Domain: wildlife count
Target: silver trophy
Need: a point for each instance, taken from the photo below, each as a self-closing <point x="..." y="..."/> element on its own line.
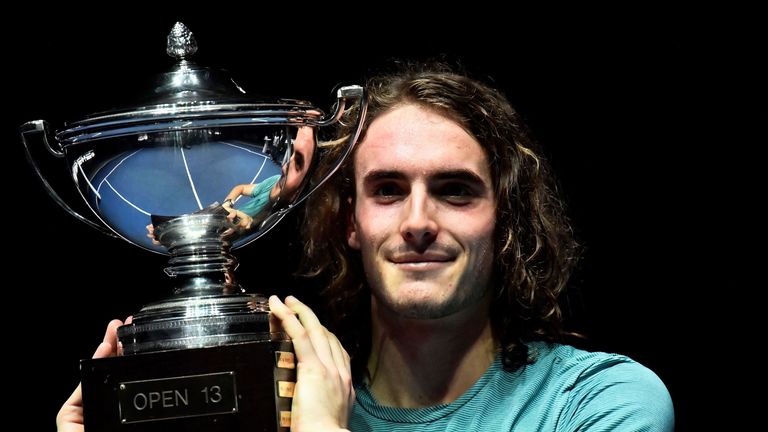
<point x="205" y="357"/>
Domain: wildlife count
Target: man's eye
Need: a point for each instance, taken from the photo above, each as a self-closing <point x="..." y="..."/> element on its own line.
<point x="387" y="190"/>
<point x="456" y="190"/>
<point x="457" y="193"/>
<point x="298" y="160"/>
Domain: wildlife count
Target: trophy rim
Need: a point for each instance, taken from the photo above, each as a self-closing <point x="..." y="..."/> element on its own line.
<point x="164" y="117"/>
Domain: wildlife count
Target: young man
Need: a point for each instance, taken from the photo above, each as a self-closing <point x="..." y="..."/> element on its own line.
<point x="448" y="250"/>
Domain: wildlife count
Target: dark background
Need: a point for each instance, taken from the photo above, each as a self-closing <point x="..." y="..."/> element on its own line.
<point x="642" y="117"/>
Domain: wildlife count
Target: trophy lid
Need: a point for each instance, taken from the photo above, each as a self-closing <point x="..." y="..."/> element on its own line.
<point x="189" y="96"/>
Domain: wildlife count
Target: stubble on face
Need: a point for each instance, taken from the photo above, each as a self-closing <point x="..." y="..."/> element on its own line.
<point x="424" y="214"/>
<point x="468" y="291"/>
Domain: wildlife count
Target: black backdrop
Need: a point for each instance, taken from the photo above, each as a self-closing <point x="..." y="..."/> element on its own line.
<point x="628" y="114"/>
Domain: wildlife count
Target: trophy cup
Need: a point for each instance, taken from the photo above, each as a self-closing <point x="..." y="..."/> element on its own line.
<point x="203" y="358"/>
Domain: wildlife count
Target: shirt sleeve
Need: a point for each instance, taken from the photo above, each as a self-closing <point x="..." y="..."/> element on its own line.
<point x="618" y="395"/>
<point x="260" y="196"/>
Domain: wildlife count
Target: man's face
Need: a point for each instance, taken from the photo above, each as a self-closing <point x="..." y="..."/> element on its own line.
<point x="296" y="169"/>
<point x="424" y="214"/>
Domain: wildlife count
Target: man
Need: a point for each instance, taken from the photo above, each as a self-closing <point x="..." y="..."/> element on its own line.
<point x="448" y="250"/>
<point x="272" y="189"/>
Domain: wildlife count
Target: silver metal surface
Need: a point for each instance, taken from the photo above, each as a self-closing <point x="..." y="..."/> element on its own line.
<point x="153" y="174"/>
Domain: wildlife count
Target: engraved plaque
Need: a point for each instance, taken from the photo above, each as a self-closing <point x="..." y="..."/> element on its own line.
<point x="175" y="397"/>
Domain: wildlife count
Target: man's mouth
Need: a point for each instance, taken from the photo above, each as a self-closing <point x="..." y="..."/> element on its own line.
<point x="425" y="261"/>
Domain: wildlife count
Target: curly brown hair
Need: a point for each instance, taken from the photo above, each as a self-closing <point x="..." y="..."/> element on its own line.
<point x="535" y="248"/>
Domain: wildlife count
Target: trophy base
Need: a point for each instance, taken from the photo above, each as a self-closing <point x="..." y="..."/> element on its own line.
<point x="237" y="387"/>
<point x="197" y="321"/>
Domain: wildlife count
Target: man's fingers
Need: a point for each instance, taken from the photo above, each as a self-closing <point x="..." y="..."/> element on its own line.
<point x="323" y="395"/>
<point x="111" y="334"/>
<point x="105" y="349"/>
<point x="151" y="234"/>
<point x="343" y="365"/>
<point x="318" y="334"/>
<point x="340" y="356"/>
<point x="108" y="346"/>
<point x="245" y="220"/>
<point x="240" y="219"/>
<point x="293" y="328"/>
<point x="275" y="326"/>
<point x="305" y="314"/>
<point x="76" y="396"/>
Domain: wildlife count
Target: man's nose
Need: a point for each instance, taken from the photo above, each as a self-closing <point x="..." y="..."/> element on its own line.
<point x="419" y="226"/>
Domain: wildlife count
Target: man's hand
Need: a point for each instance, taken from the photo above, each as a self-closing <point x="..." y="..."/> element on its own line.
<point x="151" y="234"/>
<point x="323" y="396"/>
<point x="239" y="218"/>
<point x="70" y="417"/>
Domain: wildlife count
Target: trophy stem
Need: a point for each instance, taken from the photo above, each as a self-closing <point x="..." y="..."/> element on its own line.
<point x="204" y="268"/>
<point x="208" y="307"/>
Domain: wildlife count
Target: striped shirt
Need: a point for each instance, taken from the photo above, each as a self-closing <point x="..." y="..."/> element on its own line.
<point x="564" y="389"/>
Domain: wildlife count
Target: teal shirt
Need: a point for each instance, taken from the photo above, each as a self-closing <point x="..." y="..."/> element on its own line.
<point x="565" y="389"/>
<point x="260" y="196"/>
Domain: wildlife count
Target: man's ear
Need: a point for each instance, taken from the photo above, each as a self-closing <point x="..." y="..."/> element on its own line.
<point x="352" y="240"/>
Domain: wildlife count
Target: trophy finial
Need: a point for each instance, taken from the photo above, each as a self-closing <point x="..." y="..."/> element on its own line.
<point x="181" y="42"/>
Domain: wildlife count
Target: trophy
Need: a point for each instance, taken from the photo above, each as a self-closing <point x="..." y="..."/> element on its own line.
<point x="204" y="358"/>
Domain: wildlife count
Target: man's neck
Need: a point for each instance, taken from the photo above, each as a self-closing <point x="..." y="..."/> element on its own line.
<point x="419" y="363"/>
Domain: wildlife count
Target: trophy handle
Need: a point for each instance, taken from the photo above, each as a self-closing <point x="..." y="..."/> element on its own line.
<point x="344" y="96"/>
<point x="37" y="127"/>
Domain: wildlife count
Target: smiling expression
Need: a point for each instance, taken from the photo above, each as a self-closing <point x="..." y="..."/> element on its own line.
<point x="424" y="213"/>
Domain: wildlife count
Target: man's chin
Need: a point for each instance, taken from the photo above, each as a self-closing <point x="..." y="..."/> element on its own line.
<point x="424" y="310"/>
